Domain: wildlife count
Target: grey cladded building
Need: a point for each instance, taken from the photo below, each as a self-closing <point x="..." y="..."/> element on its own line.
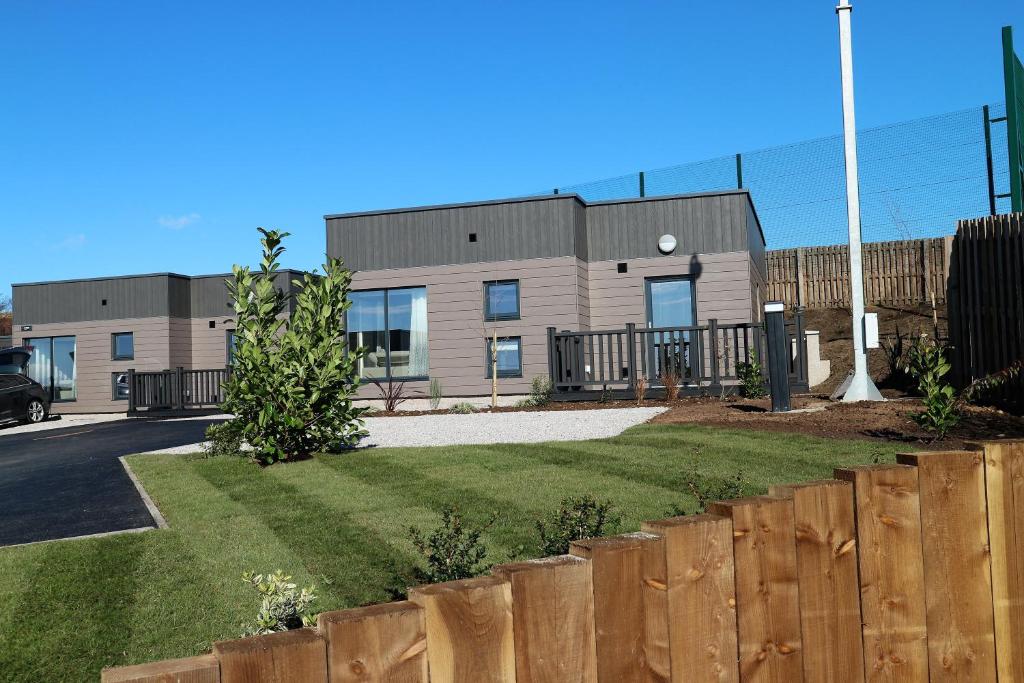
<point x="431" y="285"/>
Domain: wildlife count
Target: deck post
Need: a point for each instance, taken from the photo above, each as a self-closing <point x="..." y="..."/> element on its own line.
<point x="716" y="371"/>
<point x="552" y="374"/>
<point x="131" y="390"/>
<point x="179" y="388"/>
<point x="631" y="353"/>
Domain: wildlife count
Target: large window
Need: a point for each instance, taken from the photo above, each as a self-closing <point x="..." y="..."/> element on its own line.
<point x="122" y="346"/>
<point x="670" y="302"/>
<point x="510" y="357"/>
<point x="501" y="300"/>
<point x="53" y="365"/>
<point x="391" y="324"/>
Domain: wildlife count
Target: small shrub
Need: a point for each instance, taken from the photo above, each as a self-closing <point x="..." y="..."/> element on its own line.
<point x="282" y="607"/>
<point x="392" y="394"/>
<point x="926" y="362"/>
<point x="980" y="388"/>
<point x="463" y="408"/>
<point x="575" y="519"/>
<point x="436" y="393"/>
<point x="452" y="551"/>
<point x="223" y="438"/>
<point x="640" y="389"/>
<point x="540" y="390"/>
<point x="524" y="403"/>
<point x="751" y="378"/>
<point x="670" y="381"/>
<point x="895" y="352"/>
<point x="706" y="490"/>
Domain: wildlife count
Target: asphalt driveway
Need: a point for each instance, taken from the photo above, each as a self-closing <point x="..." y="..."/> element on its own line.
<point x="68" y="482"/>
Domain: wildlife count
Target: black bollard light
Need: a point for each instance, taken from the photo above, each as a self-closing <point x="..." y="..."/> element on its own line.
<point x="778" y="355"/>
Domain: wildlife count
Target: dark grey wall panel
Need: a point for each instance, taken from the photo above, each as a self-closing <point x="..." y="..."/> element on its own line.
<point x="755" y="242"/>
<point x="178" y="295"/>
<point x="510" y="230"/>
<point x="77" y="300"/>
<point x="210" y="298"/>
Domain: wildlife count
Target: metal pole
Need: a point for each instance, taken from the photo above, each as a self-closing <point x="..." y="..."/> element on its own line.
<point x="642" y="192"/>
<point x="988" y="162"/>
<point x="859" y="385"/>
<point x="739" y="172"/>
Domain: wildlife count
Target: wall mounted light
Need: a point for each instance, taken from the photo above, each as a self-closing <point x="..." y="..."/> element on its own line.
<point x="666" y="244"/>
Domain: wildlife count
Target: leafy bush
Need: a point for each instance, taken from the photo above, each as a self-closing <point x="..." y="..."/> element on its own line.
<point x="926" y="362"/>
<point x="436" y="393"/>
<point x="540" y="390"/>
<point x="751" y="378"/>
<point x="392" y="394"/>
<point x="293" y="379"/>
<point x="575" y="519"/>
<point x="706" y="490"/>
<point x="223" y="438"/>
<point x="452" y="551"/>
<point x="282" y="607"/>
<point x="463" y="408"/>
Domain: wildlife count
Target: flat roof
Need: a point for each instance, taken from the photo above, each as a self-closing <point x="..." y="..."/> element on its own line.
<point x="537" y="198"/>
<point x="138" y="275"/>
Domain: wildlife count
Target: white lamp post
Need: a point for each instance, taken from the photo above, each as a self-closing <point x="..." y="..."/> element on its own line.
<point x="858" y="387"/>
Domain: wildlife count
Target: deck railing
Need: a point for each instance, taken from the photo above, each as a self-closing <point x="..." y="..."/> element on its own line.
<point x="177" y="389"/>
<point x="701" y="358"/>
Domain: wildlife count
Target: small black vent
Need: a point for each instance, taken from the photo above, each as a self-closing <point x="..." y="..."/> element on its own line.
<point x="213" y="324"/>
<point x="623" y="267"/>
<point x="472" y="237"/>
<point x="103" y="302"/>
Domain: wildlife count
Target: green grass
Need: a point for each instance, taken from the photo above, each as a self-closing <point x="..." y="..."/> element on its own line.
<point x="340" y="522"/>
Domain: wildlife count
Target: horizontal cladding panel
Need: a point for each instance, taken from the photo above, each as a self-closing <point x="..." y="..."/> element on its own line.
<point x="455" y="277"/>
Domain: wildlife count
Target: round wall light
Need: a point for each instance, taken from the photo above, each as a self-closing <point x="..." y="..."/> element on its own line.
<point x="666" y="244"/>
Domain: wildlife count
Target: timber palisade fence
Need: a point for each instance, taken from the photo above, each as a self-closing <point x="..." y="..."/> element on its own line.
<point x="899" y="273"/>
<point x="177" y="389"/>
<point x="703" y="359"/>
<point x="986" y="311"/>
<point x="908" y="572"/>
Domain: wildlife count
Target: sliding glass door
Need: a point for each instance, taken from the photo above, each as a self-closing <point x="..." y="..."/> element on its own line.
<point x="391" y="324"/>
<point x="53" y="365"/>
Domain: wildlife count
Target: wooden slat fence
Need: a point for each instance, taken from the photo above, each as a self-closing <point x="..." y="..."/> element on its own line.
<point x="986" y="312"/>
<point x="908" y="572"/>
<point x="895" y="273"/>
<point x="177" y="389"/>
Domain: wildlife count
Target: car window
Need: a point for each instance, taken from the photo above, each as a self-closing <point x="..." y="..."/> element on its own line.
<point x="9" y="381"/>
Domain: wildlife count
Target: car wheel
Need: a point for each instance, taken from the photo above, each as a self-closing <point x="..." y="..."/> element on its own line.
<point x="35" y="412"/>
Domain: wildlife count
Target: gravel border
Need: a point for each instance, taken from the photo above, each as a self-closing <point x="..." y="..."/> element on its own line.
<point x="490" y="428"/>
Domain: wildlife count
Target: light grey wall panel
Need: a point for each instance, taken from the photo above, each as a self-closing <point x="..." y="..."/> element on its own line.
<point x="511" y="230"/>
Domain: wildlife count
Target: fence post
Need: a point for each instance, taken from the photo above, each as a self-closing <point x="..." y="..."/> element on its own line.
<point x="201" y="669"/>
<point x="801" y="278"/>
<point x="299" y="655"/>
<point x="380" y="643"/>
<point x="716" y="371"/>
<point x="631" y="352"/>
<point x="131" y="390"/>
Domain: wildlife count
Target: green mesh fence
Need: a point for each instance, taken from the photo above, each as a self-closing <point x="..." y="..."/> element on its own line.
<point x="917" y="178"/>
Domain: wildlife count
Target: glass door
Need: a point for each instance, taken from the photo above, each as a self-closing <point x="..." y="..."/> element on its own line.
<point x="670" y="304"/>
<point x="53" y="365"/>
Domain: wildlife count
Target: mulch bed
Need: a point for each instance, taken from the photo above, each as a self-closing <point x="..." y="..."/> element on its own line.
<point x="814" y="415"/>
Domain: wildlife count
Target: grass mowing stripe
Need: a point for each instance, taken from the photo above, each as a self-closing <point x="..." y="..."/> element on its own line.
<point x="88" y="590"/>
<point x="348" y="561"/>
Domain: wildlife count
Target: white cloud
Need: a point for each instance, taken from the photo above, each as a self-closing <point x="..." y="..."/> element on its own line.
<point x="71" y="242"/>
<point x="178" y="222"/>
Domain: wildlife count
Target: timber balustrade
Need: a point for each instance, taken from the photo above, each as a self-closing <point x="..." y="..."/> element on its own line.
<point x="177" y="389"/>
<point x="909" y="572"/>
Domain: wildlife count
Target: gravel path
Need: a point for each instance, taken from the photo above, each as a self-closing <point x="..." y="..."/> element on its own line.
<point x="487" y="428"/>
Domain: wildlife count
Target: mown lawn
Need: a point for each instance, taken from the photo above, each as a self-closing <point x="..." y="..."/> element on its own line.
<point x="340" y="522"/>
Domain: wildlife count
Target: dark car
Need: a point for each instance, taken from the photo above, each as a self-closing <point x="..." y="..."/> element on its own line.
<point x="21" y="398"/>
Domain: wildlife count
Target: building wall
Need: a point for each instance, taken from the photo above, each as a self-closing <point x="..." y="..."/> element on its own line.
<point x="209" y="346"/>
<point x="455" y="317"/>
<point x="721" y="286"/>
<point x="154" y="338"/>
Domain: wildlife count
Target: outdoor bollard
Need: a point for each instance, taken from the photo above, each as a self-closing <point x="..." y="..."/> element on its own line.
<point x="778" y="355"/>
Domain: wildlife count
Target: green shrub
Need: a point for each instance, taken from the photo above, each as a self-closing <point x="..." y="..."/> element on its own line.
<point x="452" y="551"/>
<point x="751" y="378"/>
<point x="706" y="490"/>
<point x="436" y="393"/>
<point x="223" y="438"/>
<point x="282" y="607"/>
<point x="540" y="390"/>
<point x="292" y="380"/>
<point x="926" y="363"/>
<point x="463" y="408"/>
<point x="575" y="519"/>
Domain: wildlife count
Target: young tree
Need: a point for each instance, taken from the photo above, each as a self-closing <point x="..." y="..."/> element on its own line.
<point x="292" y="380"/>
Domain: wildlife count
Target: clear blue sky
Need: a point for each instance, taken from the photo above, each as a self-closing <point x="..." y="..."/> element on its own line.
<point x="140" y="136"/>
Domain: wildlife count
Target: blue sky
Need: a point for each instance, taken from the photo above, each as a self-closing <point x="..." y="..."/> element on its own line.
<point x="142" y="137"/>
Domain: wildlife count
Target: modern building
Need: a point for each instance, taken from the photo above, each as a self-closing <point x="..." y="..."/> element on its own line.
<point x="87" y="333"/>
<point x="433" y="284"/>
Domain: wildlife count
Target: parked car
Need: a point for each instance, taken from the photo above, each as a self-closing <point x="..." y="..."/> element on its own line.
<point x="22" y="399"/>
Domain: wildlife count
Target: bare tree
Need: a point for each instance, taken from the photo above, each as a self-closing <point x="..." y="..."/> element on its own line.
<point x="6" y="316"/>
<point x="907" y="234"/>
